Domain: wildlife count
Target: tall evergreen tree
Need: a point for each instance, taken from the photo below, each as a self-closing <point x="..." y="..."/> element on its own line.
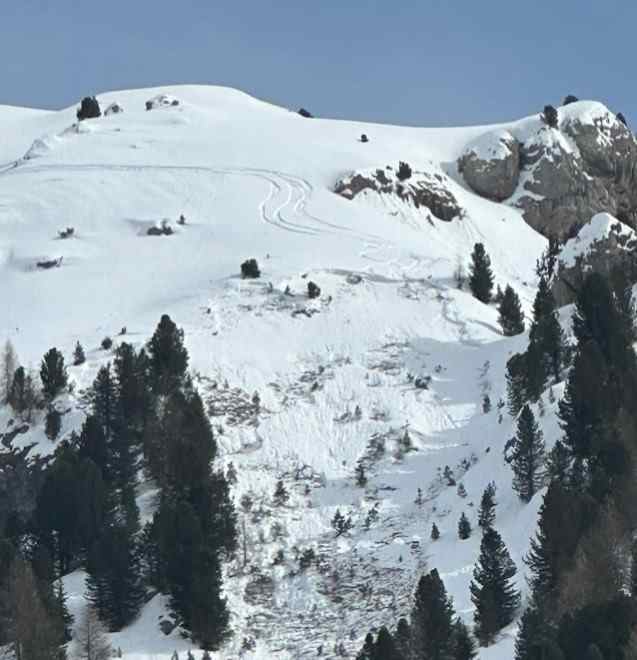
<point x="546" y="340"/>
<point x="492" y="592"/>
<point x="432" y="619"/>
<point x="481" y="275"/>
<point x="511" y="317"/>
<point x="53" y="373"/>
<point x="402" y="637"/>
<point x="516" y="381"/>
<point x="486" y="513"/>
<point x="464" y="527"/>
<point x="114" y="577"/>
<point x="385" y="647"/>
<point x="168" y="356"/>
<point x="464" y="647"/>
<point x="79" y="357"/>
<point x="527" y="457"/>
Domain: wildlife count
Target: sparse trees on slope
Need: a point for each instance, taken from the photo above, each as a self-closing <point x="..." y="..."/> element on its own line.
<point x="492" y="592"/>
<point x="53" y="373"/>
<point x="527" y="457"/>
<point x="511" y="317"/>
<point x="481" y="276"/>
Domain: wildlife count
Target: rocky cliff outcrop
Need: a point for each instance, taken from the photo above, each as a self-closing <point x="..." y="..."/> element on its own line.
<point x="421" y="189"/>
<point x="563" y="176"/>
<point x="491" y="165"/>
<point x="601" y="246"/>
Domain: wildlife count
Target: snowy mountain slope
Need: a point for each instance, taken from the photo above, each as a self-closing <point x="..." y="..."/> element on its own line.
<point x="254" y="180"/>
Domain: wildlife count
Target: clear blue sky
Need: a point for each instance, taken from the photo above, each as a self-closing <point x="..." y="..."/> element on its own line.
<point x="420" y="62"/>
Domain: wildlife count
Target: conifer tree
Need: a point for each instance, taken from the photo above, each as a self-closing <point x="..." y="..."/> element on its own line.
<point x="91" y="638"/>
<point x="402" y="637"/>
<point x="481" y="276"/>
<point x="9" y="365"/>
<point x="168" y="356"/>
<point x="532" y="637"/>
<point x="131" y="375"/>
<point x="492" y="592"/>
<point x="53" y="423"/>
<point x="527" y="457"/>
<point x="589" y="404"/>
<point x="385" y="647"/>
<point x="368" y="650"/>
<point x="464" y="647"/>
<point x="53" y="373"/>
<point x="432" y="619"/>
<point x="22" y="396"/>
<point x="281" y="495"/>
<point x="558" y="463"/>
<point x="79" y="356"/>
<point x="486" y="513"/>
<point x="516" y="380"/>
<point x="546" y="339"/>
<point x="435" y="532"/>
<point x="511" y="317"/>
<point x="114" y="577"/>
<point x="464" y="527"/>
<point x="563" y="518"/>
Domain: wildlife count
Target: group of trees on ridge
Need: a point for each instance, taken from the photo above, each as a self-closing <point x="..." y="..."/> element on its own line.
<point x="145" y="415"/>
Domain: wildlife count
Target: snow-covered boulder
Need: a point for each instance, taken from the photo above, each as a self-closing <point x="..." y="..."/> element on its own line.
<point x="113" y="109"/>
<point x="600" y="246"/>
<point x="162" y="101"/>
<point x="491" y="165"/>
<point x="421" y="189"/>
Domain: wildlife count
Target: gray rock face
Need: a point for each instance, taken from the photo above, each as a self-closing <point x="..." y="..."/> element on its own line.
<point x="601" y="246"/>
<point x="564" y="176"/>
<point x="491" y="165"/>
<point x="421" y="189"/>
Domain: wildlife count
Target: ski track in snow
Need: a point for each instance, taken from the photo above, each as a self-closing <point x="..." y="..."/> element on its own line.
<point x="286" y="193"/>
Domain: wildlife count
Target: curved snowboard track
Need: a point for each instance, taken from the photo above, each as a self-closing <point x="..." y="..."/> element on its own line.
<point x="284" y="207"/>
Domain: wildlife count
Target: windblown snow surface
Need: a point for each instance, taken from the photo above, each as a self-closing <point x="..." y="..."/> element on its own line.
<point x="255" y="180"/>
